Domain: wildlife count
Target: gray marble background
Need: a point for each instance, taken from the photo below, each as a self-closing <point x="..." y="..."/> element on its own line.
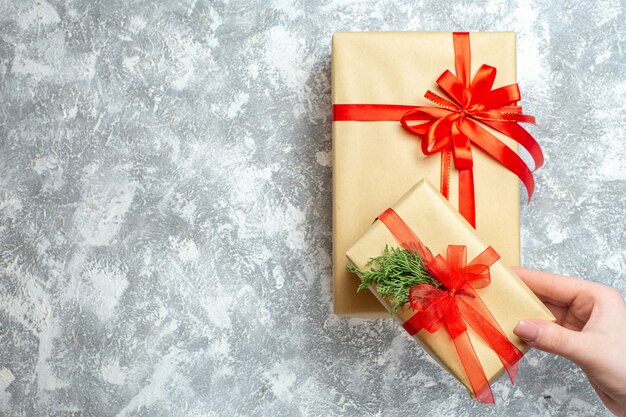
<point x="165" y="206"/>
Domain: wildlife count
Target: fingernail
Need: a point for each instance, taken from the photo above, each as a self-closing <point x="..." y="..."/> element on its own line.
<point x="526" y="330"/>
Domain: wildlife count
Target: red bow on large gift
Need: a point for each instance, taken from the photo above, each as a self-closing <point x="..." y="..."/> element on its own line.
<point x="454" y="124"/>
<point x="455" y="304"/>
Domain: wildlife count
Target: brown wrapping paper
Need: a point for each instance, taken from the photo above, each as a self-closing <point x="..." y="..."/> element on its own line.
<point x="437" y="224"/>
<point x="374" y="163"/>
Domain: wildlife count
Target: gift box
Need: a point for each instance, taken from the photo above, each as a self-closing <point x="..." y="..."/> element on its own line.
<point x="375" y="158"/>
<point x="436" y="224"/>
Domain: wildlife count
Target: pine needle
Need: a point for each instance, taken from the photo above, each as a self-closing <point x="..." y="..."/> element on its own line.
<point x="393" y="275"/>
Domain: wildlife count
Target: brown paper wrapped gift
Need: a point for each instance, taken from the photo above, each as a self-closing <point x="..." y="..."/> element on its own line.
<point x="437" y="224"/>
<point x="374" y="163"/>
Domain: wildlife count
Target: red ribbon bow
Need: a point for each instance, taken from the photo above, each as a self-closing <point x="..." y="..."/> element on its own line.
<point x="456" y="304"/>
<point x="452" y="126"/>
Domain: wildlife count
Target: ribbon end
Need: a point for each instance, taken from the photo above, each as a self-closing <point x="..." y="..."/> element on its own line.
<point x="530" y="196"/>
<point x="530" y="187"/>
<point x="511" y="367"/>
<point x="485" y="395"/>
<point x="512" y="371"/>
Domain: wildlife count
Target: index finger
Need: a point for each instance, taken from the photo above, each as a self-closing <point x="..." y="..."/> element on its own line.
<point x="557" y="289"/>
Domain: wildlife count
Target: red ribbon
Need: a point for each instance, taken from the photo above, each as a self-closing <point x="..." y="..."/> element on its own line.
<point x="456" y="304"/>
<point x="453" y="125"/>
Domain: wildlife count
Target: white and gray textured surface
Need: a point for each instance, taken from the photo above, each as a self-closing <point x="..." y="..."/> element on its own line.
<point x="165" y="206"/>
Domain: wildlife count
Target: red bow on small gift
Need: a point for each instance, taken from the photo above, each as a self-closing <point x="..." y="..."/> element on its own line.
<point x="452" y="126"/>
<point x="455" y="304"/>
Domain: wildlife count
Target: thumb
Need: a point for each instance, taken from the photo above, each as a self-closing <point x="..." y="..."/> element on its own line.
<point x="551" y="337"/>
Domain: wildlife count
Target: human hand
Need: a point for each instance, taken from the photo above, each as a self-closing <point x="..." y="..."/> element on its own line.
<point x="590" y="330"/>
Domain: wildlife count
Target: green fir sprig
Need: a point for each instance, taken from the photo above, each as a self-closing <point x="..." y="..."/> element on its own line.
<point x="393" y="275"/>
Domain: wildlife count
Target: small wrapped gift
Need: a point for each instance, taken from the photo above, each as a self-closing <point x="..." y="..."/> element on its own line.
<point x="465" y="315"/>
<point x="400" y="114"/>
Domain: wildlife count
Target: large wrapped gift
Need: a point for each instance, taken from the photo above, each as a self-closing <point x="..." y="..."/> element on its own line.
<point x="461" y="301"/>
<point x="400" y="116"/>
